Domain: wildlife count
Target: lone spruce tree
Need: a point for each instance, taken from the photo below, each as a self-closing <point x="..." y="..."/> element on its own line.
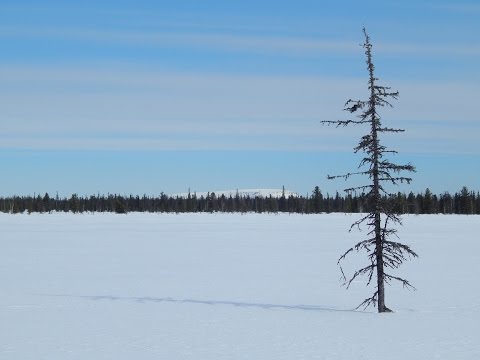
<point x="383" y="253"/>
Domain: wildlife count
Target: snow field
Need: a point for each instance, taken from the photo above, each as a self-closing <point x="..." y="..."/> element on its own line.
<point x="229" y="286"/>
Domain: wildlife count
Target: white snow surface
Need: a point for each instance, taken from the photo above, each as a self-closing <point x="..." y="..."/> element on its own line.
<point x="229" y="286"/>
<point x="275" y="193"/>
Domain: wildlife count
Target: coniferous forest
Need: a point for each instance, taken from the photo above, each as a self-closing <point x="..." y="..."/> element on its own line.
<point x="462" y="202"/>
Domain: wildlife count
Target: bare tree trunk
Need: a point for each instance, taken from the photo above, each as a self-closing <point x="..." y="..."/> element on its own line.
<point x="382" y="252"/>
<point x="376" y="192"/>
<point x="380" y="266"/>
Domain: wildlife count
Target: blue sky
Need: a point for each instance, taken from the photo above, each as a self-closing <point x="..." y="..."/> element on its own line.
<point x="151" y="96"/>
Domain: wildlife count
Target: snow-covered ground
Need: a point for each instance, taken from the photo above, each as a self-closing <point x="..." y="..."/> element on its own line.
<point x="228" y="286"/>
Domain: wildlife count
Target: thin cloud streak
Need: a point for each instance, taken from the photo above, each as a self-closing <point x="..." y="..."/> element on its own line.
<point x="162" y="144"/>
<point x="427" y="50"/>
<point x="286" y="45"/>
<point x="296" y="144"/>
<point x="124" y="109"/>
<point x="259" y="44"/>
<point x="459" y="7"/>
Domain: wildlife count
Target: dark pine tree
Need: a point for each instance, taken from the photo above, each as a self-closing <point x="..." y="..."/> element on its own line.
<point x="383" y="253"/>
<point x="317" y="199"/>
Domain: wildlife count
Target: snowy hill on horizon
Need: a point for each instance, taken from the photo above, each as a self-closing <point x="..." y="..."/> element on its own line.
<point x="276" y="193"/>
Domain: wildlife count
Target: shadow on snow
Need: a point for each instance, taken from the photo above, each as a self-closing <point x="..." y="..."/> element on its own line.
<point x="240" y="304"/>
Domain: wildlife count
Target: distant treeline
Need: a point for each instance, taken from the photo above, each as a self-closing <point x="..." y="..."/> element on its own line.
<point x="463" y="202"/>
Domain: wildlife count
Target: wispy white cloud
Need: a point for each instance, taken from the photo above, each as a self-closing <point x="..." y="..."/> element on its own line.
<point x="130" y="109"/>
<point x="149" y="101"/>
<point x="285" y="45"/>
<point x="427" y="49"/>
<point x="167" y="141"/>
<point x="262" y="44"/>
<point x="459" y="7"/>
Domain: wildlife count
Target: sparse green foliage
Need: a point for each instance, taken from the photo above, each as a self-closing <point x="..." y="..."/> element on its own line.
<point x="382" y="253"/>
